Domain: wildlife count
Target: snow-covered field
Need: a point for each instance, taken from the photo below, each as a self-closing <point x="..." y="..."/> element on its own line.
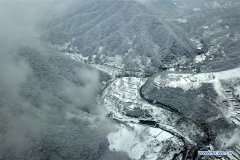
<point x="123" y="96"/>
<point x="140" y="142"/>
<point x="193" y="81"/>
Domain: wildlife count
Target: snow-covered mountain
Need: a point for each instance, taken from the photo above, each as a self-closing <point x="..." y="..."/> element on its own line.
<point x="126" y="31"/>
<point x="213" y="25"/>
<point x="120" y="80"/>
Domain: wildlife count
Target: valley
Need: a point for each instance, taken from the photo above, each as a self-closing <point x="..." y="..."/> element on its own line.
<point x="119" y="79"/>
<point x="152" y="125"/>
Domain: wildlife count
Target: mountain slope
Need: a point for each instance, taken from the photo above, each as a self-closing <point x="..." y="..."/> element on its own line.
<point x="102" y="30"/>
<point x="212" y="24"/>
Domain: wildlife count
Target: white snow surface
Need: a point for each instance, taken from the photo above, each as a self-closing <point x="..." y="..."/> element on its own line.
<point x="115" y="61"/>
<point x="181" y="20"/>
<point x="196" y="9"/>
<point x="123" y="95"/>
<point x="138" y="141"/>
<point x="100" y="49"/>
<point x="194" y="81"/>
<point x="200" y="58"/>
<point x="197" y="42"/>
<point x="75" y="56"/>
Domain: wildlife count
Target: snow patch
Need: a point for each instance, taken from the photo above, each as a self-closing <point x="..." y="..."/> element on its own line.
<point x="76" y="56"/>
<point x="200" y="58"/>
<point x="198" y="43"/>
<point x="205" y="27"/>
<point x="181" y="20"/>
<point x="194" y="81"/>
<point x="138" y="141"/>
<point x="116" y="61"/>
<point x="196" y="9"/>
<point x="100" y="49"/>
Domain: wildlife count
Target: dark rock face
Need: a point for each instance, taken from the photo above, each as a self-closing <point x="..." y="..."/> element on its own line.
<point x="121" y="27"/>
